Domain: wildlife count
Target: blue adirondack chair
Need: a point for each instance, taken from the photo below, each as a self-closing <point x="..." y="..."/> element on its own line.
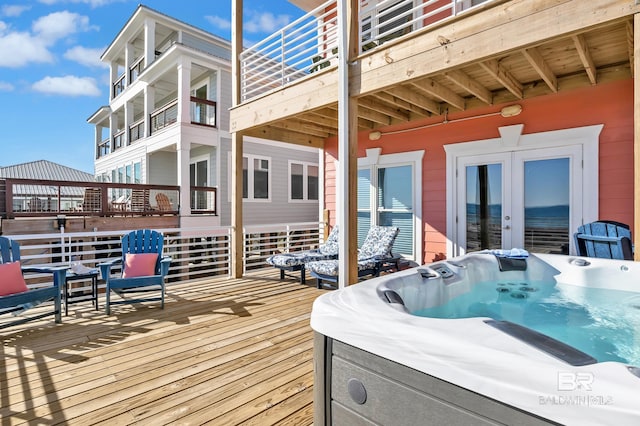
<point x="18" y="302"/>
<point x="604" y="239"/>
<point x="137" y="242"/>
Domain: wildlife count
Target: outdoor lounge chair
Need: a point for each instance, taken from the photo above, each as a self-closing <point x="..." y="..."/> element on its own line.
<point x="16" y="297"/>
<point x="296" y="261"/>
<point x="604" y="239"/>
<point x="374" y="257"/>
<point x="143" y="268"/>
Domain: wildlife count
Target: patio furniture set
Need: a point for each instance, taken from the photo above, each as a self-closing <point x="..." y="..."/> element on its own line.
<point x="143" y="269"/>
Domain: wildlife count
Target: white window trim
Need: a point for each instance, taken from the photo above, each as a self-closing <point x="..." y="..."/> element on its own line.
<point x="511" y="139"/>
<point x="414" y="159"/>
<point x="305" y="182"/>
<point x="250" y="183"/>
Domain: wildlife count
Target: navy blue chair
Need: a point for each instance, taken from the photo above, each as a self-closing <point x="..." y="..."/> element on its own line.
<point x="143" y="241"/>
<point x="20" y="302"/>
<point x="604" y="239"/>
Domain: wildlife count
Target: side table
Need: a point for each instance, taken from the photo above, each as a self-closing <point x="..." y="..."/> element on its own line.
<point x="93" y="296"/>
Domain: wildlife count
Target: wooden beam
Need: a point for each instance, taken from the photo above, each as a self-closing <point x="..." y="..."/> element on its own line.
<point x="585" y="57"/>
<point x="460" y="78"/>
<point x="439" y="91"/>
<point x="374" y="116"/>
<point x="636" y="136"/>
<point x="504" y="77"/>
<point x="411" y="96"/>
<point x="401" y="103"/>
<point x="372" y="104"/>
<point x="273" y="133"/>
<point x="538" y="63"/>
<point x="305" y="128"/>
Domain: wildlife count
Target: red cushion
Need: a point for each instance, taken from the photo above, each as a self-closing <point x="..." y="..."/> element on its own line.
<point x="139" y="265"/>
<point x="11" y="279"/>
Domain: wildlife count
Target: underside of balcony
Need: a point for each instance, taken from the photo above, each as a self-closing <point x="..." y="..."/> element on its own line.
<point x="503" y="53"/>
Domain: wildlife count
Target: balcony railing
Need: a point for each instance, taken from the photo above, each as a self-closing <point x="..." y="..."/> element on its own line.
<point x="104" y="148"/>
<point x="118" y="140"/>
<point x="119" y="85"/>
<point x="203" y="111"/>
<point x="42" y="198"/>
<point x="136" y="69"/>
<point x="309" y="44"/>
<point x="164" y="116"/>
<point x="136" y="131"/>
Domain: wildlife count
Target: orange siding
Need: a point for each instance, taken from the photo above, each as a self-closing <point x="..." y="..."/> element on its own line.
<point x="609" y="104"/>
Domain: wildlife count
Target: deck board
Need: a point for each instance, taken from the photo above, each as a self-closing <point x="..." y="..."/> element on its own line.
<point x="222" y="352"/>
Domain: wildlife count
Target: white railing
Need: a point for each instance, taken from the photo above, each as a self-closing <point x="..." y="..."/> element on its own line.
<point x="262" y="241"/>
<point x="309" y="44"/>
<point x="196" y="252"/>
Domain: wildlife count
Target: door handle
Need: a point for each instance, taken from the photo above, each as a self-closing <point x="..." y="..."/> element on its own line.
<point x="506" y="227"/>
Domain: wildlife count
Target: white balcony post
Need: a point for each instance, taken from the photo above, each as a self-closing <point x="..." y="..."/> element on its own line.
<point x="149" y="102"/>
<point x="149" y="42"/>
<point x="128" y="119"/>
<point x="98" y="140"/>
<point x="183" y="157"/>
<point x="113" y="67"/>
<point x="184" y="92"/>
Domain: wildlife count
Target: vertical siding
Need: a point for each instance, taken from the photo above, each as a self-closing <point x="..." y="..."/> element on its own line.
<point x="609" y="104"/>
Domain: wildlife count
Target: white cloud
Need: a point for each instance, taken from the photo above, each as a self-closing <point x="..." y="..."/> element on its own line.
<point x="68" y="86"/>
<point x="265" y="22"/>
<point x="86" y="56"/>
<point x="58" y="25"/>
<point x="20" y="49"/>
<point x="13" y="10"/>
<point x="6" y="87"/>
<point x="219" y="22"/>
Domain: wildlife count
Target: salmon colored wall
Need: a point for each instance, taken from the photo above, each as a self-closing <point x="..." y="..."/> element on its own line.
<point x="609" y="104"/>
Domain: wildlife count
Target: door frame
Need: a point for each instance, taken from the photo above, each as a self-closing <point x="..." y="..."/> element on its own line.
<point x="512" y="140"/>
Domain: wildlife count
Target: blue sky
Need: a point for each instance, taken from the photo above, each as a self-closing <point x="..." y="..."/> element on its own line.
<point x="51" y="78"/>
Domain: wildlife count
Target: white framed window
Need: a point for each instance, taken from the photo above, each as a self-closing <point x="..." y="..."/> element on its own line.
<point x="199" y="176"/>
<point x="390" y="194"/>
<point x="256" y="178"/>
<point x="303" y="181"/>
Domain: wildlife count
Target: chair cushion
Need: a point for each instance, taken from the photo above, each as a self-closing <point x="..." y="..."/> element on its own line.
<point x="11" y="281"/>
<point x="379" y="242"/>
<point x="139" y="265"/>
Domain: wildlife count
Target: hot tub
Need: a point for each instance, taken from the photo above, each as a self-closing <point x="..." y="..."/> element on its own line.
<point x="464" y="342"/>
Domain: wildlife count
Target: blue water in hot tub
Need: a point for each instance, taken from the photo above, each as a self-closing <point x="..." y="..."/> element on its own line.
<point x="603" y="323"/>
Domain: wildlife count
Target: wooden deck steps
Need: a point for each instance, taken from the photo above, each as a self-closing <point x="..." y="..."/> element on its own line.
<point x="221" y="352"/>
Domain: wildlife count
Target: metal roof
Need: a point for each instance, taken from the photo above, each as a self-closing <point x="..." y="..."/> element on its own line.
<point x="43" y="169"/>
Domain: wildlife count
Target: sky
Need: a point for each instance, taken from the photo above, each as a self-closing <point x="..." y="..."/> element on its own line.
<point x="51" y="77"/>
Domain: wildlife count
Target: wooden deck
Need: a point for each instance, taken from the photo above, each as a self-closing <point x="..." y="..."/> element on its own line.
<point x="221" y="352"/>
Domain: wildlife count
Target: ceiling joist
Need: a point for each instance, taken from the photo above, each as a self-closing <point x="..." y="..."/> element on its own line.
<point x="503" y="76"/>
<point x="538" y="63"/>
<point x="413" y="97"/>
<point x="470" y="85"/>
<point x="437" y="90"/>
<point x="585" y="57"/>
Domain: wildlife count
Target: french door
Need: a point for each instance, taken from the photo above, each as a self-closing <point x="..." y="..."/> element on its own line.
<point x="528" y="199"/>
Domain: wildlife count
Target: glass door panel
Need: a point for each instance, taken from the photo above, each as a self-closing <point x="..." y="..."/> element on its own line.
<point x="484" y="212"/>
<point x="546" y="205"/>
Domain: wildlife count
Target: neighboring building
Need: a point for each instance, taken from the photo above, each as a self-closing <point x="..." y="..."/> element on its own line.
<point x="39" y="198"/>
<point x="480" y="123"/>
<point x="167" y="123"/>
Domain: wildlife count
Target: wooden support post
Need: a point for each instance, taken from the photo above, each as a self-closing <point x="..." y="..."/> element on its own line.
<point x="237" y="235"/>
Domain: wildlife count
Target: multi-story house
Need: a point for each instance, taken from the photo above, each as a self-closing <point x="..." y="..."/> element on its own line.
<point x="468" y="124"/>
<point x="167" y="123"/>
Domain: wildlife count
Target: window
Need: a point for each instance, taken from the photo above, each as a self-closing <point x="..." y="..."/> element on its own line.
<point x="303" y="181"/>
<point x="256" y="177"/>
<point x="199" y="176"/>
<point x="389" y="194"/>
<point x="137" y="173"/>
